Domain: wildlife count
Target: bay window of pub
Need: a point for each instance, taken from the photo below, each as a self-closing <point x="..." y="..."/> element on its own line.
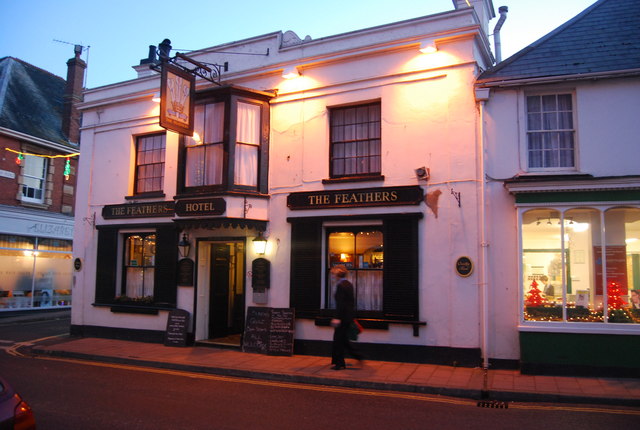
<point x="567" y="257"/>
<point x="150" y="163"/>
<point x="361" y="251"/>
<point x="551" y="136"/>
<point x="227" y="151"/>
<point x="355" y="141"/>
<point x="138" y="267"/>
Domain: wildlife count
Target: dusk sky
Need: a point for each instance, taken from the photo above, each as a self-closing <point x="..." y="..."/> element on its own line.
<point x="118" y="32"/>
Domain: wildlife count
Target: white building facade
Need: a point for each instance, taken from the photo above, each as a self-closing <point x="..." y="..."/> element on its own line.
<point x="369" y="157"/>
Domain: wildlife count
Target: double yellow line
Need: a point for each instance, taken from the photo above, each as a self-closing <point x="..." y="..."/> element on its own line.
<point x="329" y="389"/>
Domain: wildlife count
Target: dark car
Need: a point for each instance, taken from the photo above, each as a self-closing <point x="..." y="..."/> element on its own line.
<point x="15" y="414"/>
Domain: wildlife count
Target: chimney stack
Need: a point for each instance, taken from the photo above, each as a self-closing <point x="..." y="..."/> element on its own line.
<point x="73" y="95"/>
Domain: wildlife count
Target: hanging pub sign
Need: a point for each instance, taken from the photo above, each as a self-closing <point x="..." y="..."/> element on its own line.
<point x="361" y="197"/>
<point x="177" y="89"/>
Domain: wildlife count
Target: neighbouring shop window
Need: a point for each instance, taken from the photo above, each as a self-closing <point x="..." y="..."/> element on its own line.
<point x="362" y="252"/>
<point x="35" y="272"/>
<point x="34" y="174"/>
<point x="581" y="264"/>
<point x="382" y="259"/>
<point x="550" y="131"/>
<point x="355" y="141"/>
<point x="150" y="153"/>
<point x="139" y="266"/>
<point x="205" y="150"/>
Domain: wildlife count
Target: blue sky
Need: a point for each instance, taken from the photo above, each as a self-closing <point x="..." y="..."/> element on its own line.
<point x="119" y="32"/>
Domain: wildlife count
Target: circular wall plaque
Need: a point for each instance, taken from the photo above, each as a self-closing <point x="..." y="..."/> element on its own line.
<point x="77" y="264"/>
<point x="464" y="266"/>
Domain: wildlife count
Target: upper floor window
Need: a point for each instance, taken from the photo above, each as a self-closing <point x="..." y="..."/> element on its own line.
<point x="550" y="131"/>
<point x="230" y="145"/>
<point x="150" y="153"/>
<point x="355" y="141"/>
<point x="34" y="174"/>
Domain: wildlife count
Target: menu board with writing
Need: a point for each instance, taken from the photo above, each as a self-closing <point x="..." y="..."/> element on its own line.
<point x="177" y="323"/>
<point x="269" y="331"/>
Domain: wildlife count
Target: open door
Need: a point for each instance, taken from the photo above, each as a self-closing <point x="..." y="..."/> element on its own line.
<point x="226" y="294"/>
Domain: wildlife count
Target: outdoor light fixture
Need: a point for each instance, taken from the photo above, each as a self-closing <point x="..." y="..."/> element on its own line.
<point x="260" y="244"/>
<point x="428" y="46"/>
<point x="184" y="246"/>
<point x="290" y="72"/>
<point x="156" y="98"/>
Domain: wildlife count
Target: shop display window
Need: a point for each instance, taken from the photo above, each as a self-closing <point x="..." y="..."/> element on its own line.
<point x="581" y="265"/>
<point x="36" y="272"/>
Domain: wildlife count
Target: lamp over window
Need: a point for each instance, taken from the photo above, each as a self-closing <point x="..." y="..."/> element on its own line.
<point x="260" y="244"/>
<point x="428" y="46"/>
<point x="290" y="72"/>
<point x="184" y="246"/>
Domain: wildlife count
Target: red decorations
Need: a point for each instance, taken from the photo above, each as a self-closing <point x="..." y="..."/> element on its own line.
<point x="614" y="298"/>
<point x="533" y="297"/>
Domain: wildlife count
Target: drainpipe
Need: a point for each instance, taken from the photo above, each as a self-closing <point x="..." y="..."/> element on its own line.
<point x="496" y="32"/>
<point x="482" y="95"/>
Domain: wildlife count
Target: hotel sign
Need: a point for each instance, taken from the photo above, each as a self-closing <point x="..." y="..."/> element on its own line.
<point x="364" y="197"/>
<point x="214" y="206"/>
<point x="177" y="89"/>
<point x="138" y="210"/>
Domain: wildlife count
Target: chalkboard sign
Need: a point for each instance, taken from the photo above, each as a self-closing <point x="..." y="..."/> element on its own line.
<point x="260" y="274"/>
<point x="177" y="322"/>
<point x="185" y="272"/>
<point x="269" y="331"/>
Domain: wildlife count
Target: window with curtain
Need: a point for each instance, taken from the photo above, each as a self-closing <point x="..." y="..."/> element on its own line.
<point x="139" y="265"/>
<point x="150" y="153"/>
<point x="361" y="251"/>
<point x="205" y="149"/>
<point x="550" y="131"/>
<point x="247" y="145"/>
<point x="34" y="174"/>
<point x="355" y="141"/>
<point x="581" y="265"/>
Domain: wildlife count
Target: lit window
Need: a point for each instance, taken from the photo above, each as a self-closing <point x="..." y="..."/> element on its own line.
<point x="571" y="275"/>
<point x="139" y="265"/>
<point x="361" y="251"/>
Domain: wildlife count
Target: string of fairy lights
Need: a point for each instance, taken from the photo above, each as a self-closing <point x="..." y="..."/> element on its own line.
<point x="67" y="165"/>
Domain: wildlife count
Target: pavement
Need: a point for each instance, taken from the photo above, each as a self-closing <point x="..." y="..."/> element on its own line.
<point x="491" y="388"/>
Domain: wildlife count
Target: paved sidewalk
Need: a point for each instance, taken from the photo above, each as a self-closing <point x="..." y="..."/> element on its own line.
<point x="493" y="387"/>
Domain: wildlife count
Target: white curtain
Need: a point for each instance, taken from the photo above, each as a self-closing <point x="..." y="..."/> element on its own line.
<point x="248" y="141"/>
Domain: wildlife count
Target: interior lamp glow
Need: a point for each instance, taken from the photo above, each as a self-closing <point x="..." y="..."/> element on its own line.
<point x="290" y="72"/>
<point x="428" y="46"/>
<point x="260" y="244"/>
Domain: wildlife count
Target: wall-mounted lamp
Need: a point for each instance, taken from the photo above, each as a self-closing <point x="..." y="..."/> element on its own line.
<point x="428" y="46"/>
<point x="260" y="244"/>
<point x="156" y="98"/>
<point x="423" y="173"/>
<point x="184" y="246"/>
<point x="290" y="72"/>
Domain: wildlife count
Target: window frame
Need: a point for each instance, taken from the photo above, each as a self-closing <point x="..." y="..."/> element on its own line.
<point x="43" y="179"/>
<point x="334" y="141"/>
<point x="526" y="158"/>
<point x="138" y="166"/>
<point x="355" y="229"/>
<point x="125" y="266"/>
<point x="564" y="324"/>
<point x="231" y="96"/>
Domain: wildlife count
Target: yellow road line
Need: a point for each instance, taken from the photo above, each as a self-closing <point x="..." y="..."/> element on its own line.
<point x="340" y="390"/>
